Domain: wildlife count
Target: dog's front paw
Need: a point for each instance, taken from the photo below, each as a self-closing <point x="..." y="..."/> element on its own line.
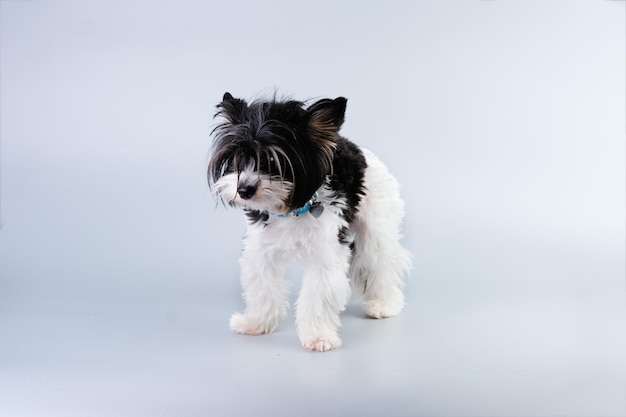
<point x="322" y="343"/>
<point x="378" y="310"/>
<point x="246" y="324"/>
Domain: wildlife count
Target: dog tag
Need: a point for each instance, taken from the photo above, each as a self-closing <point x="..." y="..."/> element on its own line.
<point x="316" y="209"/>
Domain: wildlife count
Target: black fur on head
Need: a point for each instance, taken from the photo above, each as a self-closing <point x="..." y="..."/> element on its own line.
<point x="282" y="139"/>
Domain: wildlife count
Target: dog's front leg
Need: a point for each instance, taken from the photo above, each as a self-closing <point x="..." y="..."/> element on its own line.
<point x="324" y="295"/>
<point x="265" y="291"/>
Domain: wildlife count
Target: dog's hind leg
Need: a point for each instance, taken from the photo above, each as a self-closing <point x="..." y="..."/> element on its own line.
<point x="378" y="269"/>
<point x="379" y="262"/>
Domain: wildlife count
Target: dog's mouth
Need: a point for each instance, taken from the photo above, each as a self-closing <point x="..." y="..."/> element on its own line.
<point x="252" y="204"/>
<point x="265" y="195"/>
<point x="249" y="205"/>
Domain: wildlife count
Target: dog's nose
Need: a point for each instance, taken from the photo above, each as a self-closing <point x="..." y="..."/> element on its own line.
<point x="246" y="191"/>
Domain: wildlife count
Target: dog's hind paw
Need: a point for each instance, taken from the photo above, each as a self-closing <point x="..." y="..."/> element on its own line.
<point x="244" y="324"/>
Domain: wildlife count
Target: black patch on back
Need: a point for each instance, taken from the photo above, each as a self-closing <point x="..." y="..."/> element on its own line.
<point x="347" y="180"/>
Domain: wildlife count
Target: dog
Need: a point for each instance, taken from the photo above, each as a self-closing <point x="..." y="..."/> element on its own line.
<point x="310" y="195"/>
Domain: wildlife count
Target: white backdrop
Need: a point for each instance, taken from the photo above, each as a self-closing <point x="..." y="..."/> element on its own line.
<point x="503" y="121"/>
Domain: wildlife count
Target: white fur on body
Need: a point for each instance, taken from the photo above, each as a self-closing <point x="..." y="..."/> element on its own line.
<point x="375" y="270"/>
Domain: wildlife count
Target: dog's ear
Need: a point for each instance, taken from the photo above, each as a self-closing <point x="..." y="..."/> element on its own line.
<point x="327" y="115"/>
<point x="325" y="119"/>
<point x="232" y="109"/>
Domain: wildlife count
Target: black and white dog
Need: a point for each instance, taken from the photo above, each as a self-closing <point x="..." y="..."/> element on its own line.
<point x="310" y="196"/>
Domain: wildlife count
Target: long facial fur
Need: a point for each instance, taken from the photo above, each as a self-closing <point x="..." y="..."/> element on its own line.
<point x="270" y="195"/>
<point x="289" y="147"/>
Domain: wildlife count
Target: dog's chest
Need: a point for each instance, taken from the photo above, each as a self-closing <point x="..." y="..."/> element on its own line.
<point x="303" y="236"/>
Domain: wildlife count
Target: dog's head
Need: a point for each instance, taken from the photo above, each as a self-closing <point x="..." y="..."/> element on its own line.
<point x="271" y="156"/>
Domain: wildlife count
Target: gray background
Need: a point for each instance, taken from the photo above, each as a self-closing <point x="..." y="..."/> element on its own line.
<point x="504" y="122"/>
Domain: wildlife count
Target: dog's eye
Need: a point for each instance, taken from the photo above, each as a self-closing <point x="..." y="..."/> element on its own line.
<point x="270" y="165"/>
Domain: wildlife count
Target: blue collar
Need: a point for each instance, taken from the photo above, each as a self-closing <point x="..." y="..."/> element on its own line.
<point x="311" y="205"/>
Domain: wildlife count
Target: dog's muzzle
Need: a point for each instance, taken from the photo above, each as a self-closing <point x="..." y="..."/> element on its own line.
<point x="246" y="191"/>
